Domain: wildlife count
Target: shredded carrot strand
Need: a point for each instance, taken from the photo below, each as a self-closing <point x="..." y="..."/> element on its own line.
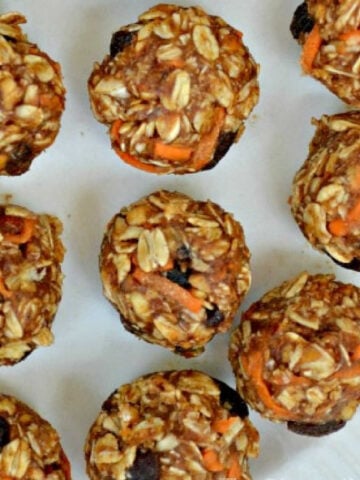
<point x="211" y="461"/>
<point x="114" y="130"/>
<point x="348" y="372"/>
<point x="356" y="354"/>
<point x="223" y="424"/>
<point x="177" y="153"/>
<point x="310" y="49"/>
<point x="352" y="35"/>
<point x="354" y="213"/>
<point x="4" y="291"/>
<point x="25" y="234"/>
<point x="338" y="227"/>
<point x="134" y="162"/>
<point x="206" y="147"/>
<point x="235" y="471"/>
<point x="167" y="287"/>
<point x="254" y="366"/>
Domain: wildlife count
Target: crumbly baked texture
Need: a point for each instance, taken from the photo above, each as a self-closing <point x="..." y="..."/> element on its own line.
<point x="329" y="32"/>
<point x="29" y="446"/>
<point x="175" y="89"/>
<point x="296" y="353"/>
<point x="176" y="269"/>
<point x="31" y="253"/>
<point x="171" y="426"/>
<point x="32" y="97"/>
<point x="325" y="200"/>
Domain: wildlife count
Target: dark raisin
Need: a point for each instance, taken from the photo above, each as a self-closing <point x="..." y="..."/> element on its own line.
<point x="316" y="429"/>
<point x="146" y="466"/>
<point x="20" y="159"/>
<point x="51" y="467"/>
<point x="225" y="140"/>
<point x="177" y="276"/>
<point x="231" y="400"/>
<point x="183" y="253"/>
<point x="119" y="41"/>
<point x="353" y="265"/>
<point x="213" y="317"/>
<point x="4" y="432"/>
<point x="108" y="405"/>
<point x="302" y="21"/>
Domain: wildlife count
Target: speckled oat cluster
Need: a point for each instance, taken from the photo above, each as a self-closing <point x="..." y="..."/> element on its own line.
<point x="173" y="426"/>
<point x="332" y="26"/>
<point x="296" y="353"/>
<point x="176" y="269"/>
<point x="175" y="89"/>
<point x="326" y="189"/>
<point x="31" y="97"/>
<point x="29" y="446"/>
<point x="31" y="253"/>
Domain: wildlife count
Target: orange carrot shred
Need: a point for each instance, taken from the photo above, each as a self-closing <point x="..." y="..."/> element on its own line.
<point x="354" y="213"/>
<point x="235" y="471"/>
<point x="338" y="227"/>
<point x="310" y="49"/>
<point x="206" y="147"/>
<point x="167" y="287"/>
<point x="177" y="153"/>
<point x="211" y="461"/>
<point x="25" y="234"/>
<point x="223" y="424"/>
<point x="356" y="354"/>
<point x="134" y="162"/>
<point x="4" y="291"/>
<point x="254" y="364"/>
<point x="348" y="372"/>
<point x="352" y="35"/>
<point x="114" y="131"/>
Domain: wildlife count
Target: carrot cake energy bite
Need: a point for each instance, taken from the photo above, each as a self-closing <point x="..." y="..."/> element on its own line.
<point x="175" y="90"/>
<point x="296" y="354"/>
<point x="172" y="425"/>
<point x="29" y="446"/>
<point x="176" y="269"/>
<point x="325" y="199"/>
<point x="31" y="97"/>
<point x="31" y="253"/>
<point x="329" y="33"/>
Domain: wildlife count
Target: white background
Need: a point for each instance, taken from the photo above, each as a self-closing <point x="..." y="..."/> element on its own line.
<point x="83" y="182"/>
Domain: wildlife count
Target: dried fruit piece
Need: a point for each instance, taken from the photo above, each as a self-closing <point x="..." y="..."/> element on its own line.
<point x="176" y="269"/>
<point x="187" y="85"/>
<point x="173" y="424"/>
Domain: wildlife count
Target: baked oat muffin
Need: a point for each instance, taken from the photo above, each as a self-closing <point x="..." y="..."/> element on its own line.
<point x="30" y="447"/>
<point x="325" y="199"/>
<point x="31" y="97"/>
<point x="176" y="269"/>
<point x="172" y="425"/>
<point x="329" y="33"/>
<point x="175" y="90"/>
<point x="31" y="253"/>
<point x="296" y="354"/>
